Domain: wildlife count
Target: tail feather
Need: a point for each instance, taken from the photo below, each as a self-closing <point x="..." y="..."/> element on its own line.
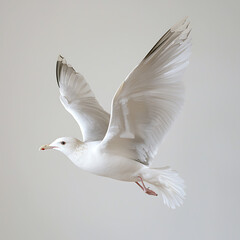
<point x="169" y="183"/>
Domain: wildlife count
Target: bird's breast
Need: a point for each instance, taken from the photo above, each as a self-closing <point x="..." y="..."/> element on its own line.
<point x="108" y="165"/>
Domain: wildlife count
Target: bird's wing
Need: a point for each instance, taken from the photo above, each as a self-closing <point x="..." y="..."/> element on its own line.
<point x="78" y="99"/>
<point x="148" y="100"/>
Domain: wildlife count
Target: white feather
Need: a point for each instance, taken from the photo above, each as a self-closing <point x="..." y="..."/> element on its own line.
<point x="78" y="99"/>
<point x="148" y="100"/>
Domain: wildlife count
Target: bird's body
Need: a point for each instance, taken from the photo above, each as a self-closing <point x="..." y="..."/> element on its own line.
<point x="123" y="145"/>
<point x="90" y="157"/>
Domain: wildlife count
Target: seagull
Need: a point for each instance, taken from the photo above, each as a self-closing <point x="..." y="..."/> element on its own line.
<point x="123" y="145"/>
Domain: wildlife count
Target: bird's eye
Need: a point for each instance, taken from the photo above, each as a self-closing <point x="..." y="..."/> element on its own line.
<point x="63" y="143"/>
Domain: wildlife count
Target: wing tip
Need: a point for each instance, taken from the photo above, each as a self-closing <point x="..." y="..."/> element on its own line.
<point x="60" y="58"/>
<point x="181" y="25"/>
<point x="61" y="61"/>
<point x="181" y="28"/>
<point x="59" y="67"/>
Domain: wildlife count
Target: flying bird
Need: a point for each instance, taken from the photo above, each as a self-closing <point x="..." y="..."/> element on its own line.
<point x="123" y="145"/>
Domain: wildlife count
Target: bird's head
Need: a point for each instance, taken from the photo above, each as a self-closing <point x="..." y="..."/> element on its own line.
<point x="66" y="145"/>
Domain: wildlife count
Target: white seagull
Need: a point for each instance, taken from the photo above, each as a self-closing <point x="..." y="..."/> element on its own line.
<point x="122" y="145"/>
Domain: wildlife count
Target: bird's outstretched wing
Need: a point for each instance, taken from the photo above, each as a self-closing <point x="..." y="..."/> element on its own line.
<point x="78" y="99"/>
<point x="148" y="100"/>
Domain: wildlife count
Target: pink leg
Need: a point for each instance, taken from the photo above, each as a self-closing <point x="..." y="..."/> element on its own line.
<point x="146" y="190"/>
<point x="139" y="185"/>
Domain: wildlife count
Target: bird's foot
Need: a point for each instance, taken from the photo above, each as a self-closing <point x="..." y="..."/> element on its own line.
<point x="150" y="192"/>
<point x="146" y="190"/>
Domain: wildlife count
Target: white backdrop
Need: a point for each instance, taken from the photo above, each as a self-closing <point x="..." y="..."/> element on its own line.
<point x="42" y="194"/>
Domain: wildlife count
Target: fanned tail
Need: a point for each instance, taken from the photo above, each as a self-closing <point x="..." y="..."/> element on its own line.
<point x="169" y="183"/>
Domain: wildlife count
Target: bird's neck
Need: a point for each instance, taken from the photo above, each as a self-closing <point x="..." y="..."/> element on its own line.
<point x="84" y="154"/>
<point x="78" y="153"/>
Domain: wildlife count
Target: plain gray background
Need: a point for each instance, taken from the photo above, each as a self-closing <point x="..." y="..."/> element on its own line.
<point x="43" y="195"/>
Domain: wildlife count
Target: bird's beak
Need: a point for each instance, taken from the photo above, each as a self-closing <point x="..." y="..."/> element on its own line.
<point x="45" y="147"/>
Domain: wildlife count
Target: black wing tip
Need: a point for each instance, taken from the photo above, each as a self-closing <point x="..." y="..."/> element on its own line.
<point x="157" y="45"/>
<point x="59" y="67"/>
<point x="60" y="58"/>
<point x="180" y="27"/>
<point x="61" y="61"/>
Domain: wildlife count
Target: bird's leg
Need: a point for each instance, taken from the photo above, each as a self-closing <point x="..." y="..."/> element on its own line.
<point x="143" y="187"/>
<point x="139" y="185"/>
